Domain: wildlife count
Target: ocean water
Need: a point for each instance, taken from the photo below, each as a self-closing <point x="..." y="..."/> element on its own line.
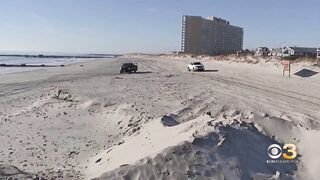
<point x="36" y="61"/>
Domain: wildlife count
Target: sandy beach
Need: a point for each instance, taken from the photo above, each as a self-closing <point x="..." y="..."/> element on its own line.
<point x="86" y="121"/>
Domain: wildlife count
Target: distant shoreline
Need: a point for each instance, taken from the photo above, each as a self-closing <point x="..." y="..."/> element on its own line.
<point x="15" y="63"/>
<point x="62" y="56"/>
<point x="30" y="65"/>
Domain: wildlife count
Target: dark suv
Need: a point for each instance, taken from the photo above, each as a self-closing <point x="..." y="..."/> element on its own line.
<point x="128" y="67"/>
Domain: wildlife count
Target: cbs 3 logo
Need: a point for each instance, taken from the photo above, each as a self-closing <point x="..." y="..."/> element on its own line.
<point x="275" y="151"/>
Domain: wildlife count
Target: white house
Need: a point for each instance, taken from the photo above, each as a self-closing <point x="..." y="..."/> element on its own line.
<point x="262" y="51"/>
<point x="318" y="52"/>
<point x="277" y="52"/>
<point x="299" y="51"/>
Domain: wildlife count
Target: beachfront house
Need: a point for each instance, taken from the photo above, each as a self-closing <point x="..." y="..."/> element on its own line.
<point x="245" y="52"/>
<point x="299" y="52"/>
<point x="276" y="52"/>
<point x="262" y="51"/>
<point x="318" y="52"/>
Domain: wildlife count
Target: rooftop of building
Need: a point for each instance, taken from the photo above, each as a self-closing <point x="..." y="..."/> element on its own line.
<point x="213" y="19"/>
<point x="218" y="19"/>
<point x="304" y="49"/>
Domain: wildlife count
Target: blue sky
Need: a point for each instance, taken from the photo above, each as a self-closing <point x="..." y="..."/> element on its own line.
<point x="121" y="26"/>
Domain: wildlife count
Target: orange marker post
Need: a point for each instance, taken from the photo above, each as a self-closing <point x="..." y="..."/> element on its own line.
<point x="286" y="67"/>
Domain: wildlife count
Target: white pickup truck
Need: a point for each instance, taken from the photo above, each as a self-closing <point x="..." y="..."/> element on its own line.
<point x="195" y="66"/>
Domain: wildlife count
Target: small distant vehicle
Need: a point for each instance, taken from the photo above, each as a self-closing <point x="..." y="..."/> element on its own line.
<point x="128" y="68"/>
<point x="195" y="66"/>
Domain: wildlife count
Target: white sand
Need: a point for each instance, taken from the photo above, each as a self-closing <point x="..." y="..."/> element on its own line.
<point x="104" y="124"/>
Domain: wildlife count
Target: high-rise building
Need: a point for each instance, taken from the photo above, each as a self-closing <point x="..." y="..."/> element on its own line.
<point x="211" y="36"/>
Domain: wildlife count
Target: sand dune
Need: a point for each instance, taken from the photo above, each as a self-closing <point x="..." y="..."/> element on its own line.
<point x="83" y="122"/>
